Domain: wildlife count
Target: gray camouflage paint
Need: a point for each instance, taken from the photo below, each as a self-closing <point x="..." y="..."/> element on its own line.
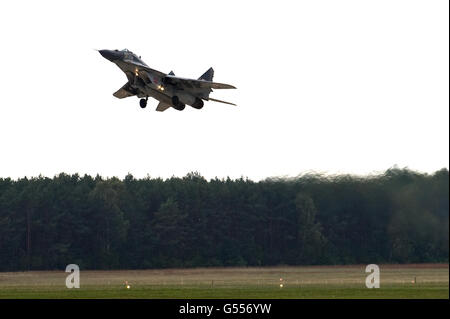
<point x="168" y="89"/>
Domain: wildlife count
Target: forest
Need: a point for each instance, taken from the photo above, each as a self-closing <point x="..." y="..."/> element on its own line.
<point x="399" y="216"/>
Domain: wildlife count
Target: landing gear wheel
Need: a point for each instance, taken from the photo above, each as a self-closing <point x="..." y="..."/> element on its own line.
<point x="143" y="103"/>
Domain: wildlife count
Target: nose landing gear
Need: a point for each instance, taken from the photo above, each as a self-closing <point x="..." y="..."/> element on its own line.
<point x="143" y="103"/>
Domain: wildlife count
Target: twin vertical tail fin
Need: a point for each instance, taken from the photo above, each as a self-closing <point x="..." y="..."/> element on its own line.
<point x="208" y="75"/>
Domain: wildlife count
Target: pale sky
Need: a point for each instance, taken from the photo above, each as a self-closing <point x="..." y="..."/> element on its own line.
<point x="325" y="86"/>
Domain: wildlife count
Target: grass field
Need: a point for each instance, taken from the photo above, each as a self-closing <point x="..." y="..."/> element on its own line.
<point x="397" y="281"/>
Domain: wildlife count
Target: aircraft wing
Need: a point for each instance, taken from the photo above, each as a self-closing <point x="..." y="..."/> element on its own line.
<point x="162" y="107"/>
<point x="153" y="71"/>
<point x="198" y="84"/>
<point x="124" y="91"/>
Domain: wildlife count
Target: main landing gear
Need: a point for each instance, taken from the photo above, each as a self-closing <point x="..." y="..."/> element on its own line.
<point x="143" y="103"/>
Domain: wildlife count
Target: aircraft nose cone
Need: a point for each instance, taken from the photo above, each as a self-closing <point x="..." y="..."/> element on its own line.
<point x="110" y="54"/>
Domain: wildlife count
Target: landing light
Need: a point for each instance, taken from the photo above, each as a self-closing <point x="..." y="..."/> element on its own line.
<point x="161" y="87"/>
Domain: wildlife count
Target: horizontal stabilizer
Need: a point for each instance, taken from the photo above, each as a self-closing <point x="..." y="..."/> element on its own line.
<point x="220" y="101"/>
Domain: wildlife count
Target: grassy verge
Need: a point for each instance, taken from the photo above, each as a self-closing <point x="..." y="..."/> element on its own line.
<point x="298" y="282"/>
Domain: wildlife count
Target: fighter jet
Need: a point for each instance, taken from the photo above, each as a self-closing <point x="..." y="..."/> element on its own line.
<point x="168" y="89"/>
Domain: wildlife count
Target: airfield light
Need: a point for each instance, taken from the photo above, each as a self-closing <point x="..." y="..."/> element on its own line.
<point x="128" y="286"/>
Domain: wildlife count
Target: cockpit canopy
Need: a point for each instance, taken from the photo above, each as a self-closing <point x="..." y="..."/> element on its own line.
<point x="133" y="57"/>
<point x="128" y="55"/>
<point x="124" y="50"/>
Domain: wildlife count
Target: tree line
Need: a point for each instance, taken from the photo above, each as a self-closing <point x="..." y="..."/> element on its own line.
<point x="400" y="216"/>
